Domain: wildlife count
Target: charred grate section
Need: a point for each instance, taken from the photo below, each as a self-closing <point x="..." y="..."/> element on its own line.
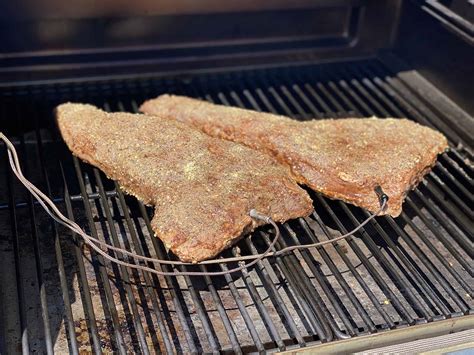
<point x="394" y="273"/>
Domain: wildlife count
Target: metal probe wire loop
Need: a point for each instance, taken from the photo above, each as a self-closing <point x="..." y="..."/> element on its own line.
<point x="94" y="243"/>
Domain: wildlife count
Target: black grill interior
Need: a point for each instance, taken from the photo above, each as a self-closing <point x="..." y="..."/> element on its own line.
<point x="414" y="269"/>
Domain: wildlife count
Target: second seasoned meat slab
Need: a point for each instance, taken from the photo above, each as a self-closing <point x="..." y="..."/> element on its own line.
<point x="343" y="159"/>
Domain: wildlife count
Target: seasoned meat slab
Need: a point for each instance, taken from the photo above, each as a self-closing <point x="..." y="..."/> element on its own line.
<point x="202" y="187"/>
<point x="343" y="159"/>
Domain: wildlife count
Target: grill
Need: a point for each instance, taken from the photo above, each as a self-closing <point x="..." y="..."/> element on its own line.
<point x="394" y="273"/>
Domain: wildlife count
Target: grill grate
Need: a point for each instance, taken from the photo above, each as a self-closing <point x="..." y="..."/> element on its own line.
<point x="394" y="273"/>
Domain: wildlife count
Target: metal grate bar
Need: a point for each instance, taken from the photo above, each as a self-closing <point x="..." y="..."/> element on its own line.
<point x="39" y="270"/>
<point x="247" y="319"/>
<point x="355" y="97"/>
<point x="224" y="100"/>
<point x="146" y="277"/>
<point x="57" y="244"/>
<point x="401" y="309"/>
<point x="323" y="285"/>
<point x="317" y="307"/>
<point x="222" y="313"/>
<point x="278" y="301"/>
<point x="440" y="236"/>
<point x="245" y="315"/>
<point x="99" y="263"/>
<point x="124" y="272"/>
<point x="86" y="293"/>
<point x="380" y="230"/>
<point x="449" y="192"/>
<point x="291" y="271"/>
<point x="321" y="281"/>
<point x="440" y="258"/>
<point x="432" y="118"/>
<point x="172" y="286"/>
<point x="378" y="109"/>
<point x="454" y="181"/>
<point x="431" y="267"/>
<point x="328" y="290"/>
<point x="462" y="160"/>
<point x="362" y="74"/>
<point x="447" y="224"/>
<point x="286" y="110"/>
<point x="354" y="271"/>
<point x="25" y="347"/>
<point x="448" y="208"/>
<point x="261" y="307"/>
<point x="423" y="288"/>
<point x="339" y="93"/>
<point x="420" y="233"/>
<point x="378" y="227"/>
<point x="320" y="308"/>
<point x="194" y="294"/>
<point x="402" y="282"/>
<point x="316" y="113"/>
<point x="459" y="170"/>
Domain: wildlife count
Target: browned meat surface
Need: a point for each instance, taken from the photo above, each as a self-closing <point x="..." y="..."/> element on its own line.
<point x="202" y="187"/>
<point x="343" y="159"/>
